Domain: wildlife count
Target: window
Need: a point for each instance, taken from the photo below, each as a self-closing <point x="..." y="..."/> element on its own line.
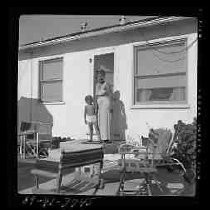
<point x="160" y="73"/>
<point x="51" y="80"/>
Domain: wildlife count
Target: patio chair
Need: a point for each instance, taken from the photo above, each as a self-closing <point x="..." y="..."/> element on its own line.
<point x="34" y="139"/>
<point x="160" y="146"/>
<point x="145" y="160"/>
<point x="141" y="166"/>
<point x="62" y="166"/>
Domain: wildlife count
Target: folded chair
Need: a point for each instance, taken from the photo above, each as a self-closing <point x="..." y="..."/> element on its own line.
<point x="67" y="162"/>
<point x="34" y="139"/>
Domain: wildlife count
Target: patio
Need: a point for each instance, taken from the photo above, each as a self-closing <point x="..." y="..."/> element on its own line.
<point x="172" y="183"/>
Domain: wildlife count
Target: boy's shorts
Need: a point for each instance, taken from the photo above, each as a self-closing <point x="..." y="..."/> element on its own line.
<point x="91" y="119"/>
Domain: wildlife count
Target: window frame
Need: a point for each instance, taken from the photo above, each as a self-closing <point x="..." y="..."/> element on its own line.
<point x="159" y="104"/>
<point x="40" y="66"/>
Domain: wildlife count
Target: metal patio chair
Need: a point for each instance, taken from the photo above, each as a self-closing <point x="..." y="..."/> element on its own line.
<point x="156" y="152"/>
<point x="143" y="167"/>
<point x="34" y="139"/>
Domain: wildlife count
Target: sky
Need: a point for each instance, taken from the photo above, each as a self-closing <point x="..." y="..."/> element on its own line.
<point x="34" y="28"/>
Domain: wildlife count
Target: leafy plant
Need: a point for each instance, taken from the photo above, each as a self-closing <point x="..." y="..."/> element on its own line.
<point x="185" y="151"/>
<point x="185" y="139"/>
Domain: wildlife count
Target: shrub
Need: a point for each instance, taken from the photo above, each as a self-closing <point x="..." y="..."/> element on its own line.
<point x="185" y="138"/>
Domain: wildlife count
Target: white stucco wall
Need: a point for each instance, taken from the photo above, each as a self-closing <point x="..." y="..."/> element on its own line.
<point x="24" y="78"/>
<point x="78" y="82"/>
<point x="140" y="119"/>
<point x="68" y="117"/>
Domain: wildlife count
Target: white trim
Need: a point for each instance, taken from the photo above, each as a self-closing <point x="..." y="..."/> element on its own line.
<point x="161" y="106"/>
<point x="104" y="50"/>
<point x="53" y="103"/>
<point x="51" y="57"/>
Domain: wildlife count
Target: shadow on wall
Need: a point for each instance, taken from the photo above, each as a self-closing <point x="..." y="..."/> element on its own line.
<point x="31" y="110"/>
<point x="118" y="118"/>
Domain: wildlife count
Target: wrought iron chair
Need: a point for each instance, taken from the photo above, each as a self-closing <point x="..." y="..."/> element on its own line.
<point x="143" y="167"/>
<point x="145" y="161"/>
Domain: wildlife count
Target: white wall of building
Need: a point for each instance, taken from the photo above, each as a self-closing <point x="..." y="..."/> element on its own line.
<point x="140" y="119"/>
<point x="78" y="82"/>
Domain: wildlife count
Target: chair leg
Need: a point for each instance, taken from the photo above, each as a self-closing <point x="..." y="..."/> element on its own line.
<point x="148" y="182"/>
<point x="37" y="182"/>
<point x="121" y="184"/>
<point x="100" y="184"/>
<point x="59" y="180"/>
<point x="101" y="180"/>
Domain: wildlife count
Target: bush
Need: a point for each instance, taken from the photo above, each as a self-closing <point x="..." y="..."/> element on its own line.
<point x="185" y="150"/>
<point x="185" y="138"/>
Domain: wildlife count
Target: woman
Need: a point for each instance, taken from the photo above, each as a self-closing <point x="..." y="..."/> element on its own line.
<point x="103" y="94"/>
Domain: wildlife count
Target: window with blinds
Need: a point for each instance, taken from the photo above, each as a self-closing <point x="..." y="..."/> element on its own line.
<point x="50" y="80"/>
<point x="160" y="74"/>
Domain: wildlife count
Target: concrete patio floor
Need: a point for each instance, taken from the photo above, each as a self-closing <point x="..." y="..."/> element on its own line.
<point x="111" y="177"/>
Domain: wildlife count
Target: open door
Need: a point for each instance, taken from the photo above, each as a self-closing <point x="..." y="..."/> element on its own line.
<point x="106" y="62"/>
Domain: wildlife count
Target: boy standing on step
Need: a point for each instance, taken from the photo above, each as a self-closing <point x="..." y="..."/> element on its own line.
<point x="90" y="117"/>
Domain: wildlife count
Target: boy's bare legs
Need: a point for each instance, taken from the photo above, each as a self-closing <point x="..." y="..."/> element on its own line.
<point x="90" y="125"/>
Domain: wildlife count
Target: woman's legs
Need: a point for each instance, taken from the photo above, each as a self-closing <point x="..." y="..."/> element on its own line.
<point x="104" y="117"/>
<point x="97" y="130"/>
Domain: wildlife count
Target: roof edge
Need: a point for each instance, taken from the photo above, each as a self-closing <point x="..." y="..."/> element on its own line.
<point x="115" y="28"/>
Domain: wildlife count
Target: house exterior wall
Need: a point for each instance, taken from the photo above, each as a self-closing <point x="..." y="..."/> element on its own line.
<point x="68" y="117"/>
<point x="141" y="118"/>
<point x="78" y="81"/>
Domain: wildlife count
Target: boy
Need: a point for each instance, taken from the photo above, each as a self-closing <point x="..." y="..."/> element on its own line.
<point x="90" y="117"/>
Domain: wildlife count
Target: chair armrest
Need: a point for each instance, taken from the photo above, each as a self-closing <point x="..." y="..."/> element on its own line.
<point x="44" y="173"/>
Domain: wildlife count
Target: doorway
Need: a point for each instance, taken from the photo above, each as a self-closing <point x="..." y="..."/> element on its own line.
<point x="106" y="62"/>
